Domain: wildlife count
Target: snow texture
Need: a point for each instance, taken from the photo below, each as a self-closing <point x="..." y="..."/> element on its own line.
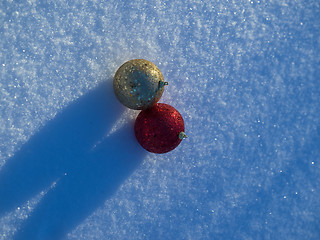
<point x="243" y="74"/>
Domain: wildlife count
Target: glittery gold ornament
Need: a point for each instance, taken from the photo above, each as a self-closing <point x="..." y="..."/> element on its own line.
<point x="138" y="84"/>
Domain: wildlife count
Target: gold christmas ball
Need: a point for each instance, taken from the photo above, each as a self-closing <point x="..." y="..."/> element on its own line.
<point x="138" y="84"/>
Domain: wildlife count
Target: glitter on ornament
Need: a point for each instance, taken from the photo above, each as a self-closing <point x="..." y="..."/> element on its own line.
<point x="160" y="128"/>
<point x="138" y="84"/>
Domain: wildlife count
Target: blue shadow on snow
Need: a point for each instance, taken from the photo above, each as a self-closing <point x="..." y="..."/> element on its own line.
<point x="73" y="151"/>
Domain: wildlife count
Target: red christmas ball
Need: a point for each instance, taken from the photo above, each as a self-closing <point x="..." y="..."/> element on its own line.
<point x="159" y="129"/>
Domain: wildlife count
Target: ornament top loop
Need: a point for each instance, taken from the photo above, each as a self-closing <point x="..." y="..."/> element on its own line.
<point x="162" y="84"/>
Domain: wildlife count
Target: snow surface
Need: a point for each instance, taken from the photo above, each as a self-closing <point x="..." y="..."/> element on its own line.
<point x="243" y="74"/>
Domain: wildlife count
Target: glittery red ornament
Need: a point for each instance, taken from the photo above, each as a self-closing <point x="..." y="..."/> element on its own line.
<point x="159" y="129"/>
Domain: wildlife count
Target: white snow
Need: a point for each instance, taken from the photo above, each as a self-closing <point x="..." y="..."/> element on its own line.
<point x="243" y="74"/>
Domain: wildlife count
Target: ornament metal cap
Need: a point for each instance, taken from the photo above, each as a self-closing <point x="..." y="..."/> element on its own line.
<point x="182" y="135"/>
<point x="162" y="84"/>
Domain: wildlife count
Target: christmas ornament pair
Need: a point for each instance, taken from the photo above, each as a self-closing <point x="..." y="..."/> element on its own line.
<point x="138" y="84"/>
